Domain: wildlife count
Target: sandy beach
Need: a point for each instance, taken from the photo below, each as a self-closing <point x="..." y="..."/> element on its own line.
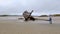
<point x="11" y="25"/>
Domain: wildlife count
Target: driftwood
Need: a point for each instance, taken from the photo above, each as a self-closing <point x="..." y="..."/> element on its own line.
<point x="28" y="17"/>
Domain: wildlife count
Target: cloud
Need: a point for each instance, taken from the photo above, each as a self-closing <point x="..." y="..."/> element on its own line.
<point x="39" y="6"/>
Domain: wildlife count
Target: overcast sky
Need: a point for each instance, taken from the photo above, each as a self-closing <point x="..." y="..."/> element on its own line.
<point x="39" y="6"/>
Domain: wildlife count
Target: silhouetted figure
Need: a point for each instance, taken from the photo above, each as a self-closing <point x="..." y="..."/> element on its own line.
<point x="27" y="15"/>
<point x="50" y="19"/>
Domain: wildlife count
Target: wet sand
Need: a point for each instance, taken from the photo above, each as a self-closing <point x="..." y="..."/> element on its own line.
<point x="11" y="25"/>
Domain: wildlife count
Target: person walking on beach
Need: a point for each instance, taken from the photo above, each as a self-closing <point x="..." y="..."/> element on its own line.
<point x="50" y="20"/>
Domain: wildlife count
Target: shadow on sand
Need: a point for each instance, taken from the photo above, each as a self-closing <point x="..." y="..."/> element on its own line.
<point x="35" y="19"/>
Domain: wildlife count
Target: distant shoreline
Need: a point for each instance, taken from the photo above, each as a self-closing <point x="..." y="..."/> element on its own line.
<point x="55" y="15"/>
